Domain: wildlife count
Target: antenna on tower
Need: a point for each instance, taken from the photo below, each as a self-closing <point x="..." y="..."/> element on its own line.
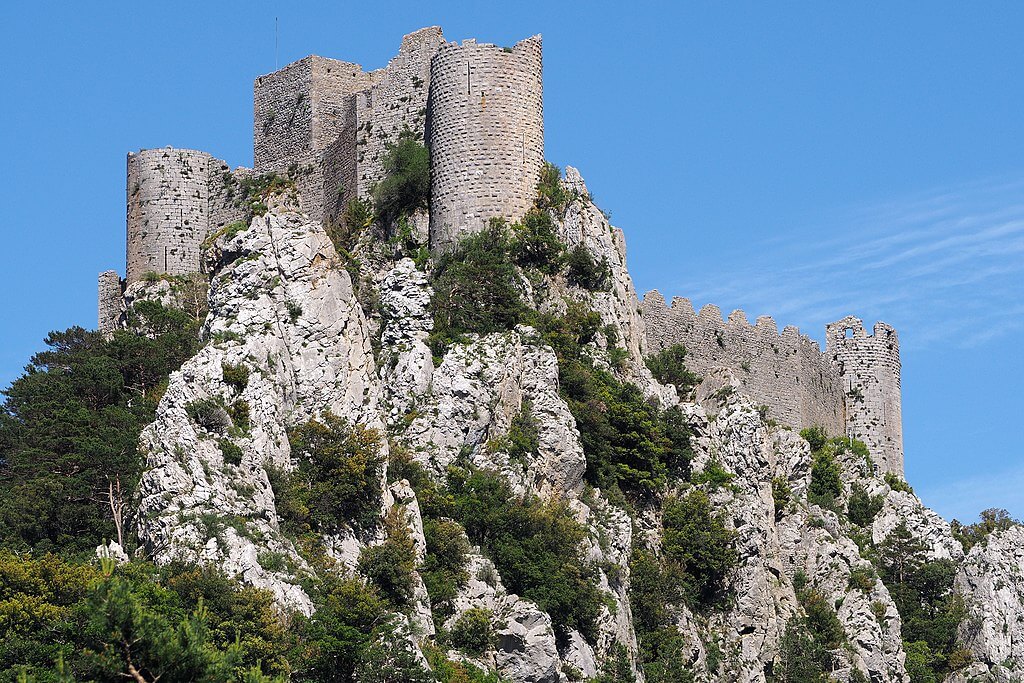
<point x="276" y="42"/>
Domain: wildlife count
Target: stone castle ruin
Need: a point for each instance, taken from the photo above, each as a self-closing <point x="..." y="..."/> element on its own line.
<point x="479" y="109"/>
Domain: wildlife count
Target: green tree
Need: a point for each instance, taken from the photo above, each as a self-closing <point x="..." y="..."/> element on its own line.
<point x="406" y="185"/>
<point x="669" y="367"/>
<point x="337" y="479"/>
<point x="697" y="541"/>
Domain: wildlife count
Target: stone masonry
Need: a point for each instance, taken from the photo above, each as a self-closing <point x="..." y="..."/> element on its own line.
<point x="176" y="198"/>
<point x="786" y="372"/>
<point x="486" y="119"/>
<point x="479" y="108"/>
<point x="110" y="301"/>
<point x="869" y="367"/>
<point x="852" y="389"/>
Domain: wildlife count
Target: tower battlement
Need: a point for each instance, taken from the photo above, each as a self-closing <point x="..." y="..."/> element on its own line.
<point x="869" y="368"/>
<point x="852" y="388"/>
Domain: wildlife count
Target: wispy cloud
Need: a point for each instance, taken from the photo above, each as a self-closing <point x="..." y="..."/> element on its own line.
<point x="963" y="497"/>
<point x="945" y="267"/>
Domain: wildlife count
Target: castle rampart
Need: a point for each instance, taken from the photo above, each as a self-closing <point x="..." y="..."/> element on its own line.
<point x="786" y="372"/>
<point x="869" y="367"/>
<point x="486" y="135"/>
<point x="397" y="101"/>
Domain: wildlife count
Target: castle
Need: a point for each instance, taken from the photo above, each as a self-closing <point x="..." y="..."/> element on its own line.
<point x="479" y="109"/>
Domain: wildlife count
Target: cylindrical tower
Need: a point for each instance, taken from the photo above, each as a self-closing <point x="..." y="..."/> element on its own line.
<point x="869" y="367"/>
<point x="486" y="135"/>
<point x="168" y="204"/>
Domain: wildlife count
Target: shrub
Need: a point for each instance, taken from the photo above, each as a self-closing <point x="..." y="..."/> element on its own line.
<point x="235" y="376"/>
<point x="826" y="481"/>
<point x="535" y="243"/>
<point x="294" y="310"/>
<point x="993" y="519"/>
<point x="781" y="495"/>
<point x="537" y="547"/>
<point x="444" y="567"/>
<point x="669" y="367"/>
<point x="476" y="289"/>
<point x="815" y="436"/>
<point x="897" y="484"/>
<point x="232" y="453"/>
<point x="862" y="507"/>
<point x="472" y="632"/>
<point x="406" y="185"/>
<point x="240" y="415"/>
<point x="587" y="272"/>
<point x="390" y="565"/>
<point x="337" y="479"/>
<point x="355" y="218"/>
<point x="862" y="579"/>
<point x="209" y="414"/>
<point x="802" y="658"/>
<point x="550" y="192"/>
<point x="702" y="547"/>
<point x="715" y="475"/>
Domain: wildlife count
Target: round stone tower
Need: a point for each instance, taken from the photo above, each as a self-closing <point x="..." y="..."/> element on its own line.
<point x="168" y="204"/>
<point x="486" y="135"/>
<point x="869" y="367"/>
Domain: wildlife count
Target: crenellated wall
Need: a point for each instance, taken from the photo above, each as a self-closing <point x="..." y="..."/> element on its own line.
<point x="786" y="372"/>
<point x="486" y="135"/>
<point x="869" y="367"/>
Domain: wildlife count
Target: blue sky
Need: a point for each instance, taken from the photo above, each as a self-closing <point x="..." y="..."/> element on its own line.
<point x="803" y="160"/>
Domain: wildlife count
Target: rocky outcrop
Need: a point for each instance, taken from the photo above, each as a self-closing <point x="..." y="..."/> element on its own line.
<point x="991" y="582"/>
<point x="283" y="310"/>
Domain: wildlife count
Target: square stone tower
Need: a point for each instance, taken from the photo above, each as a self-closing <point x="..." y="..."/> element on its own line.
<point x="303" y="116"/>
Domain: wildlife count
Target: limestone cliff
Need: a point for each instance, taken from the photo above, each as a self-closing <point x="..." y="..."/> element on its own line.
<point x="285" y="316"/>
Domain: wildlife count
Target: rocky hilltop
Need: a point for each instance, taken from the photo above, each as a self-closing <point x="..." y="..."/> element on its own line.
<point x="380" y="444"/>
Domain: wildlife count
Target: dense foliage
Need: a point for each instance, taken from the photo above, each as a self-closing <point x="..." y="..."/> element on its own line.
<point x="476" y="288"/>
<point x="536" y="546"/>
<point x="406" y="185"/>
<point x="336" y="481"/>
<point x="631" y="445"/>
<point x="669" y="367"/>
<point x="930" y="611"/>
<point x="993" y="519"/>
<point x="70" y="426"/>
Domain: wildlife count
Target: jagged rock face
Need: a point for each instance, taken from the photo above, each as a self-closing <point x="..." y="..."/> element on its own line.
<point x="583" y="223"/>
<point x="281" y="305"/>
<point x="991" y="582"/>
<point x="476" y="393"/>
<point x="927" y="526"/>
<point x="282" y="308"/>
<point x="804" y="538"/>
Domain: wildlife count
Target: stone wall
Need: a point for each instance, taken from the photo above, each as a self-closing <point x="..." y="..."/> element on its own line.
<point x="869" y="367"/>
<point x="396" y="101"/>
<point x="486" y="135"/>
<point x="786" y="372"/>
<point x="302" y="114"/>
<point x="168" y="205"/>
<point x="110" y="302"/>
<point x="175" y="198"/>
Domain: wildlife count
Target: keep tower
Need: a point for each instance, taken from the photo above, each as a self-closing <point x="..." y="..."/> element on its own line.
<point x="869" y="368"/>
<point x="486" y="135"/>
